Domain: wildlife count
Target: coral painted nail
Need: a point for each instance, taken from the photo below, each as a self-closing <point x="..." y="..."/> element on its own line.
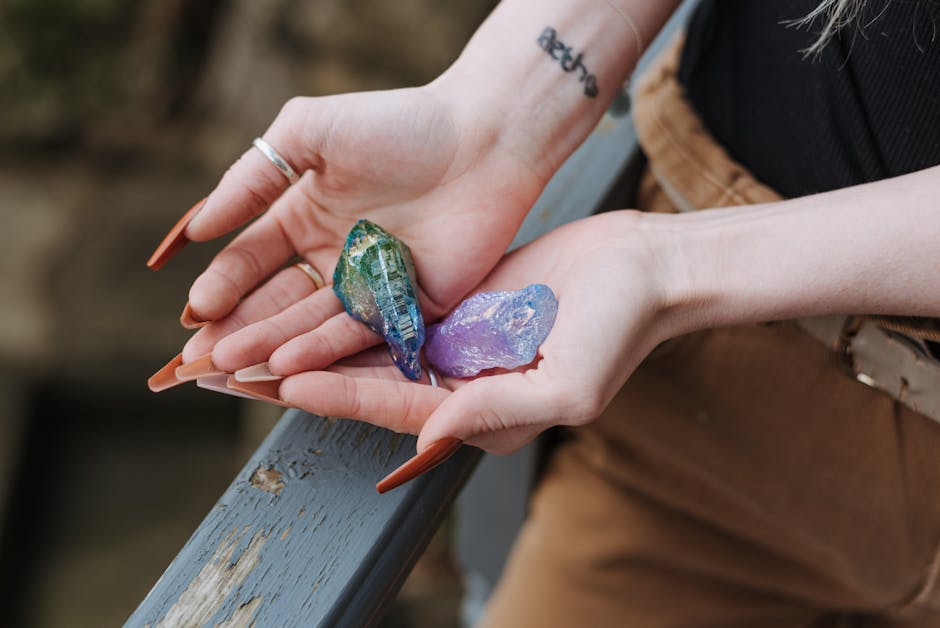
<point x="174" y="240"/>
<point x="200" y="367"/>
<point x="166" y="376"/>
<point x="436" y="453"/>
<point x="189" y="320"/>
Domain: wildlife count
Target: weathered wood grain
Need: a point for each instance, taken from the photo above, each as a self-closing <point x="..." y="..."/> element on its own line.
<point x="301" y="538"/>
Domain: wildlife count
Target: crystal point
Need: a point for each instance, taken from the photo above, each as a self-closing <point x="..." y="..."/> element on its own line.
<point x="375" y="280"/>
<point x="492" y="329"/>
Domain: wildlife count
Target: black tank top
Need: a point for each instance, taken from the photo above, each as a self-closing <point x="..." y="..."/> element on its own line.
<point x="867" y="108"/>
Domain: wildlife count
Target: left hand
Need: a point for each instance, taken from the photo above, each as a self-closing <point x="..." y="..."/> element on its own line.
<point x="609" y="286"/>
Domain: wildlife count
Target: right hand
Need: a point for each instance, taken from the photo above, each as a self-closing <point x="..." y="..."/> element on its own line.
<point x="414" y="161"/>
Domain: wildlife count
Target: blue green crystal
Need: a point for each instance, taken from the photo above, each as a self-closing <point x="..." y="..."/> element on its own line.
<point x="375" y="280"/>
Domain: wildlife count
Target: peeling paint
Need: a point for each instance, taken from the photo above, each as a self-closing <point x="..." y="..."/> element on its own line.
<point x="267" y="479"/>
<point x="361" y="435"/>
<point x="286" y="532"/>
<point x="218" y="578"/>
<point x="607" y="124"/>
<point x="243" y="615"/>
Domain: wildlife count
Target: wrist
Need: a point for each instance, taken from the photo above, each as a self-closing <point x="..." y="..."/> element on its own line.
<point x="685" y="257"/>
<point x="536" y="77"/>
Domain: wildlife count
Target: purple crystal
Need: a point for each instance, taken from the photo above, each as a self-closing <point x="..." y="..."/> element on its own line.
<point x="492" y="329"/>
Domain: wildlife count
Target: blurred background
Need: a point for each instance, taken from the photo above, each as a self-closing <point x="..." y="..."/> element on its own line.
<point x="116" y="116"/>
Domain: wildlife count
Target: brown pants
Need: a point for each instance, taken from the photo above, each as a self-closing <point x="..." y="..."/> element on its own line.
<point x="740" y="477"/>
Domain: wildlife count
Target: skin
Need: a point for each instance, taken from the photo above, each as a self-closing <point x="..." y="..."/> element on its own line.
<point x="451" y="168"/>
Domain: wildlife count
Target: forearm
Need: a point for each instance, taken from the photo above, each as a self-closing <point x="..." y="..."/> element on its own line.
<point x="868" y="249"/>
<point x="538" y="75"/>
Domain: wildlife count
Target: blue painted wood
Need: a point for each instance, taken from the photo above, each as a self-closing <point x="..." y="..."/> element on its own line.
<point x="307" y="541"/>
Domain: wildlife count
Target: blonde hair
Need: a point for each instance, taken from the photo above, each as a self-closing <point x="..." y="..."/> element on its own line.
<point x="835" y="14"/>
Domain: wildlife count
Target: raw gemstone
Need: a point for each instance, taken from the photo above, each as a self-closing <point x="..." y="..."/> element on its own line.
<point x="375" y="280"/>
<point x="492" y="329"/>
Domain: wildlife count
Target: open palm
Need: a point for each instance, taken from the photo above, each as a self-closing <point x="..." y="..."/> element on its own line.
<point x="610" y="297"/>
<point x="401" y="159"/>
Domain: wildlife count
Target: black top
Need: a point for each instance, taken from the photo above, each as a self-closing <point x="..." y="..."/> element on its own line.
<point x="867" y="108"/>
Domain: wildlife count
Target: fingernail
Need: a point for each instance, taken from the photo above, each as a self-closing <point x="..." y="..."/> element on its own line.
<point x="200" y="367"/>
<point x="436" y="453"/>
<point x="266" y="391"/>
<point x="189" y="320"/>
<point x="174" y="240"/>
<point x="256" y="373"/>
<point x="217" y="383"/>
<point x="166" y="376"/>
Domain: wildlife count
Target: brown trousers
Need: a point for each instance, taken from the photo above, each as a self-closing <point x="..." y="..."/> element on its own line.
<point x="740" y="478"/>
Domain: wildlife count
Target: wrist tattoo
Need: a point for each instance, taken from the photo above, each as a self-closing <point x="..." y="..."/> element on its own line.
<point x="556" y="49"/>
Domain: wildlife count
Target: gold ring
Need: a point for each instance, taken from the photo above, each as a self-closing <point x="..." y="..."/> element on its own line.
<point x="311" y="272"/>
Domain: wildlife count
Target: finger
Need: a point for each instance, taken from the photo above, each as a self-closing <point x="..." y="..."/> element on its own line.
<point x="281" y="292"/>
<point x="238" y="268"/>
<point x="375" y="356"/>
<point x="339" y="337"/>
<point x="400" y="406"/>
<point x="377" y="365"/>
<point x="256" y="342"/>
<point x="257" y="252"/>
<point x="495" y="411"/>
<point x="253" y="183"/>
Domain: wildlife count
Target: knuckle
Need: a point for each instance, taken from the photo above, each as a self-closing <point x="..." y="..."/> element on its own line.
<point x="260" y="188"/>
<point x="291" y="110"/>
<point x="413" y="419"/>
<point x="318" y="350"/>
<point x="257" y="186"/>
<point x="282" y="295"/>
<point x="215" y="291"/>
<point x="246" y="266"/>
<point x="491" y="420"/>
<point x="351" y="396"/>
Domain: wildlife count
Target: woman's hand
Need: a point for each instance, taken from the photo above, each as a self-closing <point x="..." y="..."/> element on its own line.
<point x="402" y="159"/>
<point x="450" y="168"/>
<point x="612" y="293"/>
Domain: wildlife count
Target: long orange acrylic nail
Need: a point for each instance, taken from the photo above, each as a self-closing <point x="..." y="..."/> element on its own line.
<point x="265" y="391"/>
<point x="189" y="320"/>
<point x="174" y="240"/>
<point x="436" y="453"/>
<point x="166" y="376"/>
<point x="200" y="367"/>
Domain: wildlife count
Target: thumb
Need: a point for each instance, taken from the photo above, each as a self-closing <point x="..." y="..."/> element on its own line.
<point x="502" y="413"/>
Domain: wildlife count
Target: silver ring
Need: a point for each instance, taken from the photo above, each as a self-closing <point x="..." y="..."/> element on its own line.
<point x="311" y="272"/>
<point x="275" y="158"/>
<point x="436" y="380"/>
